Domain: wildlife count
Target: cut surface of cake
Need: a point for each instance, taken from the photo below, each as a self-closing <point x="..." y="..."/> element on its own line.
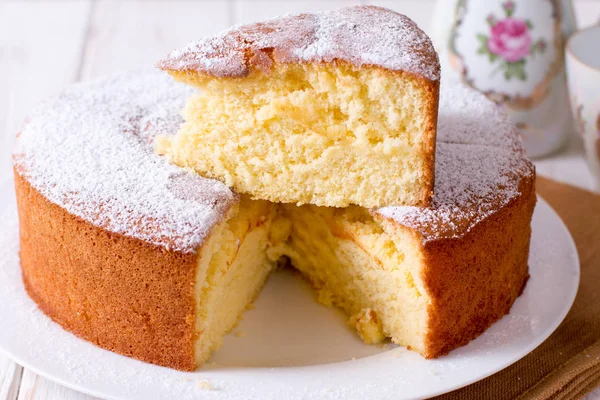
<point x="150" y="260"/>
<point x="312" y="108"/>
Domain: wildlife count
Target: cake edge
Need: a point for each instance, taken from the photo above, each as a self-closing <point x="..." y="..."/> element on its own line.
<point x="158" y="329"/>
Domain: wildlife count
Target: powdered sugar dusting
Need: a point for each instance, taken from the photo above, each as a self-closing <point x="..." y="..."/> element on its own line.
<point x="361" y="35"/>
<point x="467" y="116"/>
<point x="479" y="167"/>
<point x="90" y="151"/>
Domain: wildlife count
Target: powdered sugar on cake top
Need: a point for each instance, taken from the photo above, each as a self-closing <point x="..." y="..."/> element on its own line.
<point x="467" y="116"/>
<point x="472" y="182"/>
<point x="479" y="167"/>
<point x="90" y="151"/>
<point x="361" y="35"/>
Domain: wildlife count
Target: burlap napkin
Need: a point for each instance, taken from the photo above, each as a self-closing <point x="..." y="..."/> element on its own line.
<point x="567" y="364"/>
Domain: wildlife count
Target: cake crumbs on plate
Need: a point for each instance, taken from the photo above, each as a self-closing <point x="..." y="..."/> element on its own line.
<point x="205" y="385"/>
<point x="399" y="352"/>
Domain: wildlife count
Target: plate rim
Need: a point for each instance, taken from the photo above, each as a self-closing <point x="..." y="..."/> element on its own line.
<point x="539" y="339"/>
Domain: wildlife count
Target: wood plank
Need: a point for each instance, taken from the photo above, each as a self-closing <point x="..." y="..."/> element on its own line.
<point x="135" y="34"/>
<point x="10" y="378"/>
<point x="35" y="387"/>
<point x="40" y="45"/>
<point x="245" y="11"/>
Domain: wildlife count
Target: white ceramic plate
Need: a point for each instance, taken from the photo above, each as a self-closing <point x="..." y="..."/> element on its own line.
<point x="288" y="346"/>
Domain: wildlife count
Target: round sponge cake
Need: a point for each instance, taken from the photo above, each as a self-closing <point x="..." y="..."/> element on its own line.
<point x="155" y="262"/>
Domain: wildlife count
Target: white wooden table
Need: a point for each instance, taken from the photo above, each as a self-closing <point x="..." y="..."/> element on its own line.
<point x="45" y="45"/>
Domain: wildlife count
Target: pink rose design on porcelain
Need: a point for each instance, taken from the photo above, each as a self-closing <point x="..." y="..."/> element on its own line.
<point x="509" y="43"/>
<point x="510" y="39"/>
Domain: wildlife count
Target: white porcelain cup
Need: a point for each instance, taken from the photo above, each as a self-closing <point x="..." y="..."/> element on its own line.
<point x="583" y="73"/>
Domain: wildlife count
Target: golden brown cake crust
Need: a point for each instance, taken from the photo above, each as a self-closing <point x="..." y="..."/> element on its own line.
<point x="109" y="230"/>
<point x="120" y="293"/>
<point x="473" y="281"/>
<point x="360" y="35"/>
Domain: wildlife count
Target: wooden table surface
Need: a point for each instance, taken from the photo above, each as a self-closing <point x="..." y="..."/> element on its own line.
<point x="46" y="45"/>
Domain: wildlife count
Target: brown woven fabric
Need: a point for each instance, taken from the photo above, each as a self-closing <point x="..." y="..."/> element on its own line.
<point x="567" y="364"/>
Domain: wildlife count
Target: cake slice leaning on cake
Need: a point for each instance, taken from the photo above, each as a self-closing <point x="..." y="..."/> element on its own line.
<point x="332" y="109"/>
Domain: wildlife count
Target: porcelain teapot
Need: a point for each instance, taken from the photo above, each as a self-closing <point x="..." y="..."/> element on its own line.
<point x="512" y="51"/>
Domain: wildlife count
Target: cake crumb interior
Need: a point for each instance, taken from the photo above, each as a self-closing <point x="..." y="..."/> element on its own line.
<point x="309" y="133"/>
<point x="232" y="269"/>
<point x="345" y="255"/>
<point x="353" y="264"/>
